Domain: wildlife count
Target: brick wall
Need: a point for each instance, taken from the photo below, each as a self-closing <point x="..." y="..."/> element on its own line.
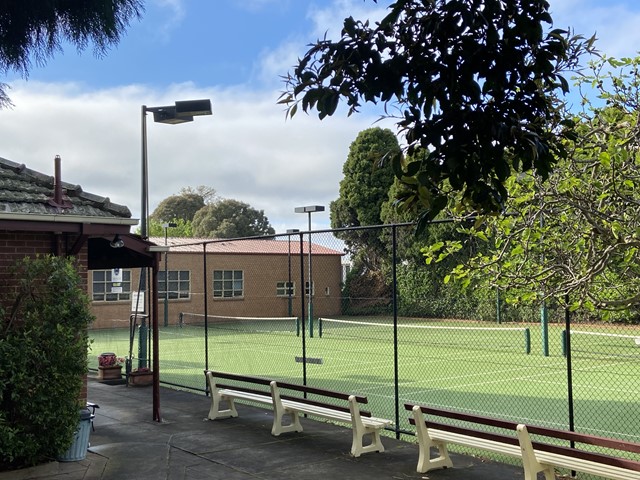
<point x="261" y="274"/>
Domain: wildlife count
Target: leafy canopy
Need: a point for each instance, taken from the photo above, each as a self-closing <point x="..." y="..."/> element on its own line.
<point x="577" y="234"/>
<point x="472" y="82"/>
<point x="230" y="218"/>
<point x="32" y="31"/>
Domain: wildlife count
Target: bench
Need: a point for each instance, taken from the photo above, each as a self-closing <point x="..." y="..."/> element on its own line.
<point x="516" y="441"/>
<point x="287" y="404"/>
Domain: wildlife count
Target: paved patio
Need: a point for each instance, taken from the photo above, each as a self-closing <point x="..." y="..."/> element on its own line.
<point x="128" y="445"/>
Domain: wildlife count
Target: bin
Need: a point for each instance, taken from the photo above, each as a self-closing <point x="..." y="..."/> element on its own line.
<point x="78" y="449"/>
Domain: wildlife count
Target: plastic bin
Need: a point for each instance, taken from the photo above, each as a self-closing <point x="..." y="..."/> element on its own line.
<point x="78" y="449"/>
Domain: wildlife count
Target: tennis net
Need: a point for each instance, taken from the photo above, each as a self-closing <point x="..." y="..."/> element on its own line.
<point x="473" y="338"/>
<point x="602" y="344"/>
<point x="241" y="324"/>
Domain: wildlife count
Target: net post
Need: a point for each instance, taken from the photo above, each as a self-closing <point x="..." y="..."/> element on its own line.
<point x="320" y="327"/>
<point x="297" y="326"/>
<point x="527" y="340"/>
<point x="310" y="327"/>
<point x="564" y="343"/>
<point x="181" y="319"/>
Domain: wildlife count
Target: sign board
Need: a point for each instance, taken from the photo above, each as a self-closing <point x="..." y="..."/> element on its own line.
<point x="137" y="302"/>
<point x="116" y="280"/>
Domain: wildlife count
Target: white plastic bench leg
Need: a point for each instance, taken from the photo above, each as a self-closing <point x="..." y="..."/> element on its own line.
<point x="279" y="412"/>
<point x="529" y="461"/>
<point x="358" y="447"/>
<point x="425" y="462"/>
<point x="216" y="411"/>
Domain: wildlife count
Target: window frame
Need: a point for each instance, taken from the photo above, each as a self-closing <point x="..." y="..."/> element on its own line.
<point x="107" y="283"/>
<point x="181" y="294"/>
<point x="227" y="288"/>
<point x="283" y="291"/>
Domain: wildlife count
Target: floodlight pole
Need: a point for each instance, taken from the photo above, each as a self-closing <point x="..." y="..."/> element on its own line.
<point x="309" y="210"/>
<point x="180" y="112"/>
<point x="290" y="232"/>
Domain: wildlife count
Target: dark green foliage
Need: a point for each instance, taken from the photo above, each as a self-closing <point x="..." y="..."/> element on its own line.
<point x="363" y="191"/>
<point x="43" y="358"/>
<point x="32" y="31"/>
<point x="473" y="82"/>
<point x="178" y="207"/>
<point x="230" y="218"/>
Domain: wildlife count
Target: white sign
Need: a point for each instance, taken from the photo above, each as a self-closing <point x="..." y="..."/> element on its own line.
<point x="137" y="302"/>
<point x="116" y="280"/>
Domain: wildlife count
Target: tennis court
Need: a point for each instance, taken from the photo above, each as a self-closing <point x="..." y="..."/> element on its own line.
<point x="496" y="371"/>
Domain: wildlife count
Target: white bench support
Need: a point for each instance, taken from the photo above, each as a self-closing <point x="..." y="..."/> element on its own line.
<point x="221" y="395"/>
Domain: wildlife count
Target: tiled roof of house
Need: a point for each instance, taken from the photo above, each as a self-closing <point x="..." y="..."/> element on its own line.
<point x="278" y="246"/>
<point x="28" y="192"/>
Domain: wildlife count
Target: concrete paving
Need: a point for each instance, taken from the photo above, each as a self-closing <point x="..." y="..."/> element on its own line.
<point x="128" y="445"/>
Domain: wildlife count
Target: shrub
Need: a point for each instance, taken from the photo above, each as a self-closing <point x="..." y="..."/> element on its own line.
<point x="43" y="358"/>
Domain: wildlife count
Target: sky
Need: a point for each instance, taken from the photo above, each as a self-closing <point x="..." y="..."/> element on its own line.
<point x="234" y="52"/>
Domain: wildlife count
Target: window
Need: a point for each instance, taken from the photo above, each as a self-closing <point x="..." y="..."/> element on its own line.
<point x="102" y="286"/>
<point x="285" y="289"/>
<point x="179" y="284"/>
<point x="306" y="289"/>
<point x="228" y="284"/>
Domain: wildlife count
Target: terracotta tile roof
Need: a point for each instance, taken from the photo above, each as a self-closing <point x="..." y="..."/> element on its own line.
<point x="25" y="191"/>
<point x="278" y="246"/>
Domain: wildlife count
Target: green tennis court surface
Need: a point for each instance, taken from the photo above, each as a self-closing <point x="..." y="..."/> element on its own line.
<point x="480" y="368"/>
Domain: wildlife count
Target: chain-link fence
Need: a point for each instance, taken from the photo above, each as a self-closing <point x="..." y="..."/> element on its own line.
<point x="358" y="310"/>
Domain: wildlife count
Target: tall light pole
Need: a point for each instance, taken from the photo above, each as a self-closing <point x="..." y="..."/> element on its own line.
<point x="180" y="112"/>
<point x="166" y="226"/>
<point x="309" y="210"/>
<point x="290" y="232"/>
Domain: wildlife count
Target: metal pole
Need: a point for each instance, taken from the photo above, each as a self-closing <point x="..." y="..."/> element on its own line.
<point x="394" y="283"/>
<point x="310" y="284"/>
<point x="166" y="281"/>
<point x="289" y="281"/>
<point x="145" y="177"/>
<point x="156" y="348"/>
<point x="304" y="341"/>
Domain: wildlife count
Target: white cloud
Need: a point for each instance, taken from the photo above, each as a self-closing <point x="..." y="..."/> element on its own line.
<point x="246" y="150"/>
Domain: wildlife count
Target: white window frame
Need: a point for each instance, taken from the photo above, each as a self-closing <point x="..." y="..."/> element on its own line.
<point x="228" y="284"/>
<point x="179" y="293"/>
<point x="283" y="291"/>
<point x="106" y="295"/>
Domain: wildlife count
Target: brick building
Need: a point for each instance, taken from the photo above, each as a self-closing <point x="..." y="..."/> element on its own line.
<point x="244" y="278"/>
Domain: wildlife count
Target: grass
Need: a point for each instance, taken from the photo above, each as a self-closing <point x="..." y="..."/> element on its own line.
<point x="483" y="373"/>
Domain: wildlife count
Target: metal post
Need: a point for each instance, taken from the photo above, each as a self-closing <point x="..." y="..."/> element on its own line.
<point x="310" y="284"/>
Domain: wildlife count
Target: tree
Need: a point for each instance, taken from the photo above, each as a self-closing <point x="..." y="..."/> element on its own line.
<point x="183" y="228"/>
<point x="473" y="82"/>
<point x="363" y="190"/>
<point x="577" y="235"/>
<point x="230" y="218"/>
<point x="33" y="31"/>
<point x="178" y="207"/>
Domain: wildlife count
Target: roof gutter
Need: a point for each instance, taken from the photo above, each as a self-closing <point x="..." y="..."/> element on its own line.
<point x="68" y="219"/>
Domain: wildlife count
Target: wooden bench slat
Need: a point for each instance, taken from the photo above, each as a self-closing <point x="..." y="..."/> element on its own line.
<point x="613" y="443"/>
<point x="322" y="404"/>
<point x="441" y="412"/>
<point x="240" y="378"/>
<point x="586" y="455"/>
<point x="243" y="389"/>
<point x="321" y="391"/>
